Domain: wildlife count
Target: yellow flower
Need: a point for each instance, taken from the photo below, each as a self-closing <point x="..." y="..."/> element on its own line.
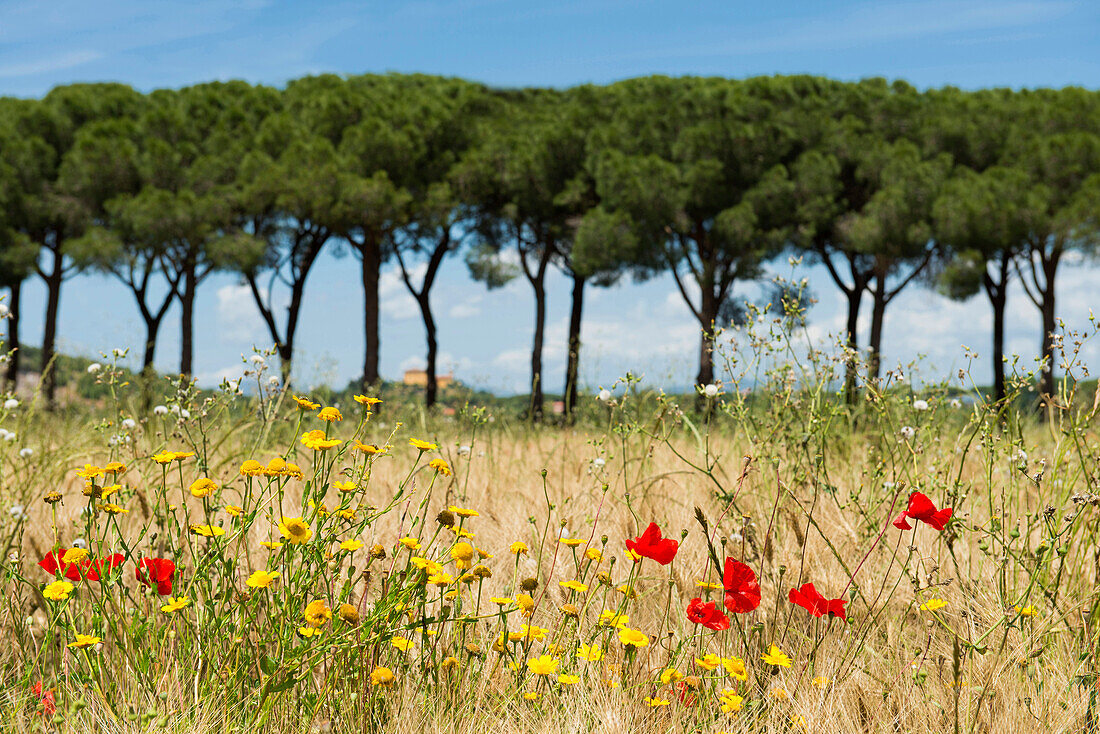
<point x="234" y="510"/>
<point x="250" y="468"/>
<point x="708" y="585"/>
<point x="270" y="544"/>
<point x="305" y="403"/>
<point x="632" y="637"/>
<point x="83" y="641"/>
<point x="730" y="701"/>
<point x="416" y="443"/>
<point x="330" y="414"/>
<point x="440" y="466"/>
<point x="531" y="696"/>
<point x="571" y="542"/>
<point x="611" y="619"/>
<point x="316" y="440"/>
<point x="670" y="676"/>
<point x="576" y="586"/>
<point x="382" y="676"/>
<point x="351" y="545"/>
<point x="594" y="554"/>
<point x="591" y="653"/>
<point x="207" y="531"/>
<point x="820" y="682"/>
<point x="317" y="613"/>
<point x="74" y="555"/>
<point x="262" y="579"/>
<point x="164" y="457"/>
<point x="464" y="511"/>
<point x="441" y="579"/>
<point x="307" y="631"/>
<point x="463" y="555"/>
<point x="735" y="668"/>
<point x="518" y="547"/>
<point x="501" y="601"/>
<point x="427" y="565"/>
<point x="775" y="656"/>
<point x="370" y="448"/>
<point x="410" y="543"/>
<point x="111" y="509"/>
<point x="345" y="486"/>
<point x="181" y="455"/>
<point x="175" y="604"/>
<point x="295" y="530"/>
<point x="401" y="643"/>
<point x="779" y="693"/>
<point x="543" y="665"/>
<point x="569" y="680"/>
<point x="526" y="603"/>
<point x="203" y="486"/>
<point x="57" y="591"/>
<point x="932" y="605"/>
<point x="90" y="471"/>
<point x="114" y="467"/>
<point x="655" y="702"/>
<point x="109" y="489"/>
<point x="532" y="632"/>
<point x="710" y="661"/>
<point x="364" y="400"/>
<point x="1027" y="611"/>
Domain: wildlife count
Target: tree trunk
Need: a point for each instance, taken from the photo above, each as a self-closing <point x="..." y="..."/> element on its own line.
<point x="708" y="313"/>
<point x="152" y="327"/>
<point x="49" y="335"/>
<point x="1046" y="385"/>
<point x="11" y="379"/>
<point x="285" y="352"/>
<point x="371" y="253"/>
<point x="878" y="316"/>
<point x="851" y="368"/>
<point x="187" y="321"/>
<point x="569" y="395"/>
<point x="998" y="298"/>
<point x="148" y="374"/>
<point x="538" y="285"/>
<point x="431" y="388"/>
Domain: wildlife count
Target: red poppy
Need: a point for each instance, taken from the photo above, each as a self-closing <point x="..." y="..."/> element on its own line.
<point x="46" y="699"/>
<point x="708" y="615"/>
<point x="157" y="571"/>
<point x="742" y="588"/>
<point x="813" y="602"/>
<point x="921" y="508"/>
<point x="86" y="569"/>
<point x="650" y="544"/>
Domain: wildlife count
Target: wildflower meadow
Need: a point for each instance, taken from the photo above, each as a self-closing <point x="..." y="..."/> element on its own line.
<point x="763" y="556"/>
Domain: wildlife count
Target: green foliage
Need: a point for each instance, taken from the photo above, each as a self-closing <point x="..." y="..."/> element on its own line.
<point x="706" y="178"/>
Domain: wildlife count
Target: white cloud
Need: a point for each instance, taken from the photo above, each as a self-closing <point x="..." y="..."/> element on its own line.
<point x="466" y="309"/>
<point x="210" y="378"/>
<point x="238" y="317"/>
<point x="394" y="300"/>
<point x="46" y="65"/>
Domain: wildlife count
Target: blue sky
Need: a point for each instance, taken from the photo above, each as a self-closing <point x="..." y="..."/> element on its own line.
<point x="485" y="336"/>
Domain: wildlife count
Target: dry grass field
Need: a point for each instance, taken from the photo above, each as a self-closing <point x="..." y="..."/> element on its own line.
<point x="480" y="581"/>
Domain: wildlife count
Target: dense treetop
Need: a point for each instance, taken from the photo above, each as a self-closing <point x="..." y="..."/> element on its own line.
<point x="703" y="178"/>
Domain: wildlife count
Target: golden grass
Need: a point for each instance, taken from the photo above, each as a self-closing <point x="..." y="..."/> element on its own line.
<point x="892" y="668"/>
